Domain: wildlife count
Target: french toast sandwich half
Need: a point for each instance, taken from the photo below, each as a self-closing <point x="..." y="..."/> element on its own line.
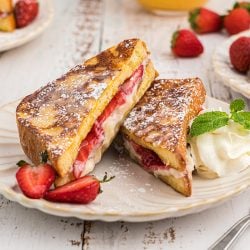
<point x="155" y="131"/>
<point x="75" y="118"/>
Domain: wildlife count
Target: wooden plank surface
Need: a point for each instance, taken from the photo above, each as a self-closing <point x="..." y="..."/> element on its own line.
<point x="79" y="30"/>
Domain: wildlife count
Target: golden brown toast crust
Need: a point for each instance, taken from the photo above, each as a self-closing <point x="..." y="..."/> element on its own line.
<point x="160" y="119"/>
<point x="58" y="116"/>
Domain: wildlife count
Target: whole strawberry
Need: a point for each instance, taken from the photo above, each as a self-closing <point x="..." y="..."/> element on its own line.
<point x="237" y="20"/>
<point x="25" y="12"/>
<point x="203" y="20"/>
<point x="185" y="44"/>
<point x="240" y="54"/>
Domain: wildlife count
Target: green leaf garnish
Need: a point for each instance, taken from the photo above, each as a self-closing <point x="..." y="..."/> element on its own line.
<point x="106" y="179"/>
<point x="208" y="122"/>
<point x="237" y="105"/>
<point x="242" y="118"/>
<point x="213" y="120"/>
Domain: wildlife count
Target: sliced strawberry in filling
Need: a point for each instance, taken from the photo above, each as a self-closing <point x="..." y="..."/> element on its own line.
<point x="96" y="135"/>
<point x="149" y="159"/>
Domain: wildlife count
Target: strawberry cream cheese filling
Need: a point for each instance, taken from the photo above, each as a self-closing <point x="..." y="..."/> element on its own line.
<point x="152" y="163"/>
<point x="105" y="126"/>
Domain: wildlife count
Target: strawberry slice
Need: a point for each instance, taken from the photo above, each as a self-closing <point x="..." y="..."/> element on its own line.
<point x="80" y="191"/>
<point x="35" y="181"/>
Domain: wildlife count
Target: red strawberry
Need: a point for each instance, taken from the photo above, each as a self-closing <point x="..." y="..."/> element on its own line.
<point x="35" y="181"/>
<point x="237" y="20"/>
<point x="25" y="12"/>
<point x="81" y="191"/>
<point x="240" y="54"/>
<point x="185" y="44"/>
<point x="203" y="20"/>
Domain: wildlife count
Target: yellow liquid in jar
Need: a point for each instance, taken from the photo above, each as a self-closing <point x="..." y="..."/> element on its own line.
<point x="174" y="5"/>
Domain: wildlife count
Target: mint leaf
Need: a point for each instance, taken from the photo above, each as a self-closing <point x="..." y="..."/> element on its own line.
<point x="242" y="118"/>
<point x="237" y="105"/>
<point x="208" y="122"/>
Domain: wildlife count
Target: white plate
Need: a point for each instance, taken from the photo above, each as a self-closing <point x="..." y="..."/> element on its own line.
<point x="9" y="40"/>
<point x="225" y="71"/>
<point x="134" y="195"/>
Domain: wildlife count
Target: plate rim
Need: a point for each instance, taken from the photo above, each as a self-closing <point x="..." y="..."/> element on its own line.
<point x="32" y="34"/>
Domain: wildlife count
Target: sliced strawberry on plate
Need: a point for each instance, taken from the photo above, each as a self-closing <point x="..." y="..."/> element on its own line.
<point x="35" y="181"/>
<point x="81" y="191"/>
<point x="203" y="20"/>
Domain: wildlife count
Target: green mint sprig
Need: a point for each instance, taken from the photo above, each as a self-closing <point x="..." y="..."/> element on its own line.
<point x="210" y="121"/>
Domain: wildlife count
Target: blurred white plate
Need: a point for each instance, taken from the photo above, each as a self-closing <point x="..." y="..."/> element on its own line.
<point x="225" y="71"/>
<point x="134" y="195"/>
<point x="9" y="40"/>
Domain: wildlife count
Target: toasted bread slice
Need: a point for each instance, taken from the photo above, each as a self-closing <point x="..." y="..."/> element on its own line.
<point x="7" y="19"/>
<point x="57" y="117"/>
<point x="160" y="120"/>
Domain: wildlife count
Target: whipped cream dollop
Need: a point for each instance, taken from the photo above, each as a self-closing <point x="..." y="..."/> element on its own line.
<point x="221" y="152"/>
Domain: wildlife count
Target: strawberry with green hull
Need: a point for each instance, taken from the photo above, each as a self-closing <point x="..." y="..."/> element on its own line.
<point x="35" y="181"/>
<point x="203" y="20"/>
<point x="184" y="43"/>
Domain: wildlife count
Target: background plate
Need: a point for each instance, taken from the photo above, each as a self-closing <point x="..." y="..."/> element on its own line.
<point x="225" y="71"/>
<point x="134" y="195"/>
<point x="9" y="40"/>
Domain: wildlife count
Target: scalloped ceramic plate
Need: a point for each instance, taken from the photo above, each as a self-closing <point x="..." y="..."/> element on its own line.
<point x="134" y="195"/>
<point x="9" y="40"/>
<point x="225" y="71"/>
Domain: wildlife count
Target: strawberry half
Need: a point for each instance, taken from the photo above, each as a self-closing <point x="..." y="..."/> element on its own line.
<point x="35" y="181"/>
<point x="25" y="12"/>
<point x="203" y="20"/>
<point x="80" y="191"/>
<point x="185" y="44"/>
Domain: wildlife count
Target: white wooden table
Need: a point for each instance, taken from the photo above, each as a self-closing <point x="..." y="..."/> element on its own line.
<point x="80" y="29"/>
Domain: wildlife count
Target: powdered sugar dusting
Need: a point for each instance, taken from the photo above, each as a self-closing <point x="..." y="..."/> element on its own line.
<point x="160" y="115"/>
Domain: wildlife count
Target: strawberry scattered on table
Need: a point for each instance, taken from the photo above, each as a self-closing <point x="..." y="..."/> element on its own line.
<point x="203" y="20"/>
<point x="185" y="43"/>
<point x="237" y="20"/>
<point x="25" y="12"/>
<point x="239" y="53"/>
